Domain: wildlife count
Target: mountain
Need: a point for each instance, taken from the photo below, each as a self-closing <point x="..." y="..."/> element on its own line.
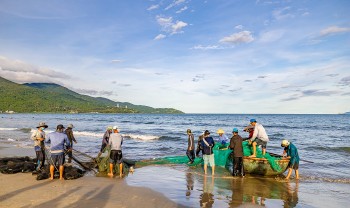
<point x="54" y="98"/>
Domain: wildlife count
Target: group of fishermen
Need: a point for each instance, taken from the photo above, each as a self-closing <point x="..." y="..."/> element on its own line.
<point x="62" y="142"/>
<point x="257" y="137"/>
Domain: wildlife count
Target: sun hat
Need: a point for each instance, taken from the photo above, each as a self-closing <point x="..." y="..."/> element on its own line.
<point x="235" y="130"/>
<point x="206" y="132"/>
<point x="285" y="143"/>
<point x="248" y="127"/>
<point x="109" y="128"/>
<point x="252" y="120"/>
<point x="188" y="131"/>
<point x="115" y="127"/>
<point x="42" y="124"/>
<point x="70" y="126"/>
<point x="60" y="126"/>
<point x="220" y="131"/>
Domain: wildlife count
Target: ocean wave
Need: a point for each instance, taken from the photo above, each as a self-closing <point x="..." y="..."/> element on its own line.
<point x="8" y="129"/>
<point x="141" y="137"/>
<point x="25" y="130"/>
<point x="330" y="180"/>
<point x="88" y="133"/>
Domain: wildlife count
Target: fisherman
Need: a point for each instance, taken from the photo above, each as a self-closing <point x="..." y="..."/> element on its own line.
<point x="291" y="152"/>
<point x="199" y="144"/>
<point x="208" y="155"/>
<point x="222" y="137"/>
<point x="38" y="137"/>
<point x="237" y="147"/>
<point x="59" y="141"/>
<point x="69" y="132"/>
<point x="190" y="148"/>
<point x="105" y="140"/>
<point x="259" y="137"/>
<point x="116" y="156"/>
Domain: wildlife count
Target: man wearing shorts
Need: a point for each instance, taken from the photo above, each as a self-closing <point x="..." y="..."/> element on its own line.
<point x="207" y="151"/>
<point x="259" y="137"/>
<point x="116" y="156"/>
<point x="291" y="152"/>
<point x="59" y="141"/>
<point x="38" y="137"/>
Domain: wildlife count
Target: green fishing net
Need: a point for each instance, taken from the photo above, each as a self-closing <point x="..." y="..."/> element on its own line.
<point x="103" y="164"/>
<point x="222" y="155"/>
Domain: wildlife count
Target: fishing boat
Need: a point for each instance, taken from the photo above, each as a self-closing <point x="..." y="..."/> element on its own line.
<point x="261" y="166"/>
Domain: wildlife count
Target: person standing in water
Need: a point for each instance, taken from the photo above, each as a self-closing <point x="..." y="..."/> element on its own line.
<point x="199" y="144"/>
<point x="105" y="140"/>
<point x="208" y="155"/>
<point x="116" y="156"/>
<point x="38" y="137"/>
<point x="190" y="148"/>
<point x="291" y="152"/>
<point x="69" y="132"/>
<point x="237" y="147"/>
<point x="59" y="141"/>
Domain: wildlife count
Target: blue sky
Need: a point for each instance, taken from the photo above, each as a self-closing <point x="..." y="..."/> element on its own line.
<point x="198" y="56"/>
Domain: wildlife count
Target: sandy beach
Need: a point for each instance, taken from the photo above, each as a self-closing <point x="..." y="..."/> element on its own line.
<point x="166" y="186"/>
<point x="23" y="190"/>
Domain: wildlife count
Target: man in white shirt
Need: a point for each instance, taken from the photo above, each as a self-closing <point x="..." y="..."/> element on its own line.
<point x="116" y="156"/>
<point x="259" y="137"/>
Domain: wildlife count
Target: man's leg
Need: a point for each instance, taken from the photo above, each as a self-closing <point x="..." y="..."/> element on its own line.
<point x="254" y="150"/>
<point x="213" y="170"/>
<point x="188" y="153"/>
<point x="52" y="168"/>
<point x="61" y="172"/>
<point x="205" y="169"/>
<point x="289" y="173"/>
<point x="297" y="174"/>
<point x="263" y="151"/>
<point x="43" y="159"/>
<point x="121" y="169"/>
<point x="110" y="169"/>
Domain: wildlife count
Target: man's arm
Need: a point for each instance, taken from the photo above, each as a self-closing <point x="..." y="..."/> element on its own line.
<point x="255" y="134"/>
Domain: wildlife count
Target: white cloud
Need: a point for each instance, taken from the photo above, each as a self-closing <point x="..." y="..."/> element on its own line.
<point x="116" y="61"/>
<point x="177" y="27"/>
<point x="159" y="37"/>
<point x="282" y="13"/>
<point x="175" y="3"/>
<point x="155" y="6"/>
<point x="236" y="38"/>
<point x="334" y="30"/>
<point x="169" y="26"/>
<point x="271" y="36"/>
<point x="208" y="47"/>
<point x="239" y="27"/>
<point x="17" y="66"/>
<point x="182" y="9"/>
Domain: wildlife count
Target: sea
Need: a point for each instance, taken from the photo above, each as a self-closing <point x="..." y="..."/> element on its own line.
<point x="323" y="142"/>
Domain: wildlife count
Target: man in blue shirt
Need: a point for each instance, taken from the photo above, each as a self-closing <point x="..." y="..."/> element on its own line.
<point x="291" y="152"/>
<point x="207" y="151"/>
<point x="59" y="141"/>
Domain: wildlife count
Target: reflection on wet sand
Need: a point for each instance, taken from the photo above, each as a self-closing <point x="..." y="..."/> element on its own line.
<point x="207" y="197"/>
<point x="191" y="188"/>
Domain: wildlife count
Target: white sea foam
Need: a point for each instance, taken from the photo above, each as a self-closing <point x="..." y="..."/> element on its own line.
<point x="142" y="137"/>
<point x="8" y="129"/>
<point x="88" y="133"/>
<point x="10" y="140"/>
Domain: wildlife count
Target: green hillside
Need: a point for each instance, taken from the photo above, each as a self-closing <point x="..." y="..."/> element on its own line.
<point x="47" y="97"/>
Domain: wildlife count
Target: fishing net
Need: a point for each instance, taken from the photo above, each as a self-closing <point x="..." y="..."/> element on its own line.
<point x="222" y="155"/>
<point x="103" y="163"/>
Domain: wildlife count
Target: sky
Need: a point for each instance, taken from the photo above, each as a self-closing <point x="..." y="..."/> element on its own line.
<point x="198" y="56"/>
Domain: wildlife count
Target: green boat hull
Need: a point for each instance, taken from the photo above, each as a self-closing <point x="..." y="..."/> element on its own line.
<point x="261" y="166"/>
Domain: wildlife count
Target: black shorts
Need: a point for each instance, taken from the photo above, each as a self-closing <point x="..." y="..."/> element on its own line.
<point x="295" y="166"/>
<point x="58" y="159"/>
<point x="260" y="142"/>
<point x="116" y="156"/>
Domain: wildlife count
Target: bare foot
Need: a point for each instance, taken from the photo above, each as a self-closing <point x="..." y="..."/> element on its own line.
<point x="51" y="178"/>
<point x="252" y="156"/>
<point x="110" y="174"/>
<point x="61" y="179"/>
<point x="121" y="175"/>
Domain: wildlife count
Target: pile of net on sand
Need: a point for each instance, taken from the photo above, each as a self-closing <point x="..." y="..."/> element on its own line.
<point x="103" y="164"/>
<point x="222" y="155"/>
